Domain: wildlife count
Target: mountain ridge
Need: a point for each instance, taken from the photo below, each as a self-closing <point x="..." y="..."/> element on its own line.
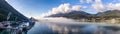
<point x="82" y="14"/>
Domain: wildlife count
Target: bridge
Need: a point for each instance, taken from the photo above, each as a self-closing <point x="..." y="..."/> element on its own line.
<point x="6" y="8"/>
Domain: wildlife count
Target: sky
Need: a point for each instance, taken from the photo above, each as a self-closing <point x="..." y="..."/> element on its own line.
<point x="40" y="8"/>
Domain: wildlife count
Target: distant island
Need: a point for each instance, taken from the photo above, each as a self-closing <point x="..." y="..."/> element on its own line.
<point x="109" y="16"/>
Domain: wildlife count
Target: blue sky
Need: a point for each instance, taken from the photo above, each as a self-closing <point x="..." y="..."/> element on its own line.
<point x="36" y="8"/>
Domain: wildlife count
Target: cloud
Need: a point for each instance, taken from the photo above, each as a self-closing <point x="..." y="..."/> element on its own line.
<point x="64" y="8"/>
<point x="98" y="6"/>
<point x="101" y="7"/>
<point x="89" y="1"/>
<point x="81" y="1"/>
<point x="6" y="0"/>
<point x="112" y="6"/>
<point x="95" y="4"/>
<point x="78" y="7"/>
<point x="86" y="1"/>
<point x="98" y="1"/>
<point x="116" y="1"/>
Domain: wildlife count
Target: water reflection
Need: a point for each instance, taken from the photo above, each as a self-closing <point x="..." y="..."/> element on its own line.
<point x="50" y="28"/>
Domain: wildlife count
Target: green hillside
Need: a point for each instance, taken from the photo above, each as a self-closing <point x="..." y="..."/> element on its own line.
<point x="110" y="13"/>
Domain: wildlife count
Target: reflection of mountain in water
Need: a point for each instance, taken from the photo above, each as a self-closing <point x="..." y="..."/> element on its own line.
<point x="75" y="29"/>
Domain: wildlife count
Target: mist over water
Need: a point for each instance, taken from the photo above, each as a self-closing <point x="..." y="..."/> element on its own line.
<point x="61" y="25"/>
<point x="69" y="26"/>
<point x="57" y="19"/>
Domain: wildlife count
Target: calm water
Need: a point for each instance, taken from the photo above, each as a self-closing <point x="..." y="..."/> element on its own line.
<point x="55" y="28"/>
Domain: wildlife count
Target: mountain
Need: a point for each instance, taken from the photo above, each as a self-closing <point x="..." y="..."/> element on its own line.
<point x="109" y="13"/>
<point x="82" y="14"/>
<point x="6" y="8"/>
<point x="72" y="14"/>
